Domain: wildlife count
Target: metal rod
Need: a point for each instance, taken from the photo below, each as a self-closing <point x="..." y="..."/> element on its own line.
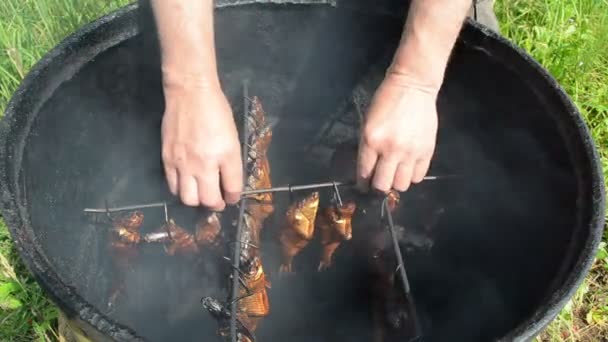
<point x="288" y="188"/>
<point x="166" y="213"/>
<point x="239" y="228"/>
<point x="399" y="256"/>
<point x="126" y="208"/>
<point x="292" y="188"/>
<point x="401" y="267"/>
<point x="337" y="193"/>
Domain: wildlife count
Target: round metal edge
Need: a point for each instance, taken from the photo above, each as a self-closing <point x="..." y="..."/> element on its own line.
<point x="59" y="293"/>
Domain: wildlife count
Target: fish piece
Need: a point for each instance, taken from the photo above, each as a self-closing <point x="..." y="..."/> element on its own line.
<point x="258" y="114"/>
<point x="260" y="206"/>
<point x="261" y="132"/>
<point x="298" y="229"/>
<point x="182" y="242"/>
<point x="253" y="302"/>
<point x="208" y="231"/>
<point x="335" y="225"/>
<point x="221" y="313"/>
<point x="124" y="237"/>
<point x="125" y="230"/>
<point x="249" y="250"/>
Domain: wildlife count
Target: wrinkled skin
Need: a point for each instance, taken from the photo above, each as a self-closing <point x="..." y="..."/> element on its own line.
<point x="260" y="205"/>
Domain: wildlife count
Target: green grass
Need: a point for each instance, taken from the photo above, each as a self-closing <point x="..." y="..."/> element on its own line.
<point x="28" y="29"/>
<point x="569" y="38"/>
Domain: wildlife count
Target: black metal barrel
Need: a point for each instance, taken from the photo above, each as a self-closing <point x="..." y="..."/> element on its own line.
<point x="519" y="229"/>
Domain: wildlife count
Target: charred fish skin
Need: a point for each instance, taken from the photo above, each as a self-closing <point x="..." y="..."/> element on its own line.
<point x="253" y="304"/>
<point x="298" y="229"/>
<point x="208" y="232"/>
<point x="123" y="244"/>
<point x="335" y="226"/>
<point x="182" y="242"/>
<point x="260" y="205"/>
<point x="257" y="161"/>
<point x="125" y="231"/>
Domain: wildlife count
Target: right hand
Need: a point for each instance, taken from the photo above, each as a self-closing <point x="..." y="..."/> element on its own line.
<point x="200" y="147"/>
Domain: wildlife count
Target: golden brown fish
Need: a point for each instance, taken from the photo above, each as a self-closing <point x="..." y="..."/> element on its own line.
<point x="254" y="304"/>
<point x="298" y="229"/>
<point x="260" y="205"/>
<point x="335" y="226"/>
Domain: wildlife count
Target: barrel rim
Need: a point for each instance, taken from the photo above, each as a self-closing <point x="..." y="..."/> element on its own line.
<point x="13" y="140"/>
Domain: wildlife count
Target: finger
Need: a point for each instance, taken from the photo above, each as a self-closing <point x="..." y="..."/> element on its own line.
<point x="209" y="191"/>
<point x="384" y="174"/>
<point x="403" y="176"/>
<point x="171" y="176"/>
<point x="188" y="190"/>
<point x="231" y="176"/>
<point x="420" y="170"/>
<point x="366" y="161"/>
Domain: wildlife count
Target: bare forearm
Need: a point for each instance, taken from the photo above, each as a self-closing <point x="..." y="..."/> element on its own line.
<point x="185" y="29"/>
<point x="430" y="32"/>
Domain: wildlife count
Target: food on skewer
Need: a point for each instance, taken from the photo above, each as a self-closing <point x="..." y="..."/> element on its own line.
<point x="298" y="228"/>
<point x="253" y="304"/>
<point x="181" y="241"/>
<point x="208" y="231"/>
<point x="249" y="250"/>
<point x="335" y="225"/>
<point x="123" y="240"/>
<point x="260" y="206"/>
<point x="221" y="313"/>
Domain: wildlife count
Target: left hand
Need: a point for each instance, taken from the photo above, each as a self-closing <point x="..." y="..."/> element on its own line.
<point x="398" y="136"/>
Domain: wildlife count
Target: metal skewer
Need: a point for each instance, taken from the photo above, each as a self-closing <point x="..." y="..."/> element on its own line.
<point x="239" y="228"/>
<point x="287" y="188"/>
<point x="126" y="208"/>
<point x="401" y="268"/>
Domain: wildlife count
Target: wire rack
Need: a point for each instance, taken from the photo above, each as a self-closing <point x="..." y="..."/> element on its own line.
<point x="235" y="280"/>
<point x="401" y="271"/>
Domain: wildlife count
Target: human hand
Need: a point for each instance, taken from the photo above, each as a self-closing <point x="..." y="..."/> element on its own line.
<point x="200" y="147"/>
<point x="398" y="136"/>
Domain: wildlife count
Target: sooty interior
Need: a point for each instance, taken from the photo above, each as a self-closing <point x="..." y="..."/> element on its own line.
<point x="496" y="250"/>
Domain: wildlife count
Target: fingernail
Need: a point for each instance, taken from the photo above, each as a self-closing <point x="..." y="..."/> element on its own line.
<point x="232" y="198"/>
